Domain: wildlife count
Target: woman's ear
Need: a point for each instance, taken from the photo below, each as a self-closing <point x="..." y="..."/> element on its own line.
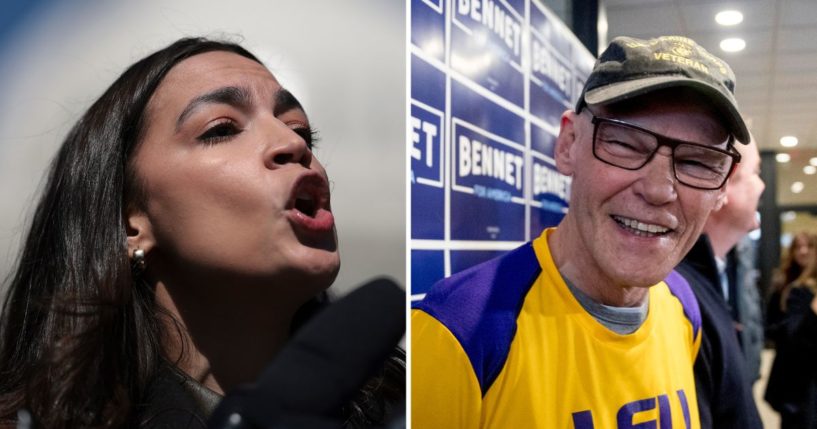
<point x="565" y="142"/>
<point x="139" y="232"/>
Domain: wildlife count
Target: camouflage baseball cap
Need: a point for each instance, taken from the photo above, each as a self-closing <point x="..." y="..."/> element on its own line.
<point x="631" y="67"/>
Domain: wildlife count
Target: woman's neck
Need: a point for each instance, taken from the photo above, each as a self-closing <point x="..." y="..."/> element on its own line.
<point x="223" y="336"/>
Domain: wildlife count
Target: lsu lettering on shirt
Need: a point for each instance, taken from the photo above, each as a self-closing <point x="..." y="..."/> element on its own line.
<point x="505" y="344"/>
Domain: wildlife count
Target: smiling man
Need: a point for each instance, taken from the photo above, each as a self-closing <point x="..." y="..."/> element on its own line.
<point x="579" y="329"/>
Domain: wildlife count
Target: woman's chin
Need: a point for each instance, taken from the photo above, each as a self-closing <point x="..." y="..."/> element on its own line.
<point x="318" y="268"/>
<point x="327" y="272"/>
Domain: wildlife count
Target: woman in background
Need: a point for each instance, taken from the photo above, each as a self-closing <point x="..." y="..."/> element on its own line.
<point x="803" y="248"/>
<point x="184" y="233"/>
<point x="792" y="387"/>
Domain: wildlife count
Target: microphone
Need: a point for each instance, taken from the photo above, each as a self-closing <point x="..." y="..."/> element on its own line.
<point x="323" y="365"/>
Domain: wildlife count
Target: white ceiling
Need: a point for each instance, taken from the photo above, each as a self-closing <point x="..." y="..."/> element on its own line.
<point x="776" y="73"/>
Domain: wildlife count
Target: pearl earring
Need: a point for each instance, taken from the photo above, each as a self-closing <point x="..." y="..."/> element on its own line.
<point x="138" y="261"/>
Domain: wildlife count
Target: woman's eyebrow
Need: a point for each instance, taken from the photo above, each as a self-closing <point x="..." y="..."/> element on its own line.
<point x="284" y="102"/>
<point x="235" y="96"/>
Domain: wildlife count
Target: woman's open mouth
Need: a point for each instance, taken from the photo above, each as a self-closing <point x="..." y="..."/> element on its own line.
<point x="308" y="205"/>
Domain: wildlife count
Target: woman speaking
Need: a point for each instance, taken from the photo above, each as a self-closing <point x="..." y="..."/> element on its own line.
<point x="184" y="233"/>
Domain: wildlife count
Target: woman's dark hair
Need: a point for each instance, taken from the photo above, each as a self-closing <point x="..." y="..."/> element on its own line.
<point x="80" y="338"/>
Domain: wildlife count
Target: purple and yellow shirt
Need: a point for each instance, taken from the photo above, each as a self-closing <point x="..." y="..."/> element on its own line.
<point x="505" y="344"/>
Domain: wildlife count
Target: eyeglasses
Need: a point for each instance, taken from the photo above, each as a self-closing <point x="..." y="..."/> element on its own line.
<point x="631" y="147"/>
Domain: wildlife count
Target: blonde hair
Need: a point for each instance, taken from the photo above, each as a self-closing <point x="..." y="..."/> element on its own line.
<point x="797" y="276"/>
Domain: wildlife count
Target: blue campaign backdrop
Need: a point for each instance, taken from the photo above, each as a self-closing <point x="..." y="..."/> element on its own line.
<point x="489" y="81"/>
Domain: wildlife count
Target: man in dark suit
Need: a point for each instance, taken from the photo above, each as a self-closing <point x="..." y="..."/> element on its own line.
<point x="724" y="392"/>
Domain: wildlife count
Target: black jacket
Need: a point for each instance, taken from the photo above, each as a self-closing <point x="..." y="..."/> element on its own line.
<point x="792" y="387"/>
<point x="724" y="396"/>
<point x="175" y="401"/>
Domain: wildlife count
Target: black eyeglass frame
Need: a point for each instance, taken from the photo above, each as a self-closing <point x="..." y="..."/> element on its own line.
<point x="666" y="141"/>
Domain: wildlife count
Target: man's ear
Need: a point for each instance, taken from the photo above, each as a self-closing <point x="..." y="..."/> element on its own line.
<point x="721" y="201"/>
<point x="139" y="232"/>
<point x="563" y="153"/>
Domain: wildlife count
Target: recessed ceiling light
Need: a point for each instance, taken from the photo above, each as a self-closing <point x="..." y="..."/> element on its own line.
<point x="797" y="187"/>
<point x="813" y="161"/>
<point x="729" y="17"/>
<point x="810" y="169"/>
<point x="788" y="216"/>
<point x="733" y="44"/>
<point x="788" y="141"/>
<point x="782" y="157"/>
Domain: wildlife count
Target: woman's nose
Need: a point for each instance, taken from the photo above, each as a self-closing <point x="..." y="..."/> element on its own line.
<point x="286" y="147"/>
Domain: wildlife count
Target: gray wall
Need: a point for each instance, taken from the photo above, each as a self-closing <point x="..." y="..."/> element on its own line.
<point x="345" y="61"/>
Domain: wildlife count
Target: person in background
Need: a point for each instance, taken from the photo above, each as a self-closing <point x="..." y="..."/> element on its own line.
<point x="792" y="387"/>
<point x="578" y="328"/>
<point x="746" y="303"/>
<point x="802" y="249"/>
<point x="724" y="394"/>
